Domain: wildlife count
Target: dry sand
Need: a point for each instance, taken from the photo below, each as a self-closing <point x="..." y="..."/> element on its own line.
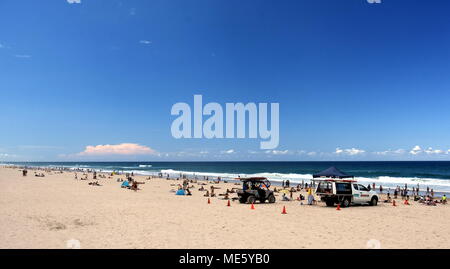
<point x="46" y="212"/>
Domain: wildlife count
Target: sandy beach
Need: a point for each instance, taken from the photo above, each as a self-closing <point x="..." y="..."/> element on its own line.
<point x="46" y="212"/>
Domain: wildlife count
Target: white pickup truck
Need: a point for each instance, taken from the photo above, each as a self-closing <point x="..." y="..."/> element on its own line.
<point x="345" y="193"/>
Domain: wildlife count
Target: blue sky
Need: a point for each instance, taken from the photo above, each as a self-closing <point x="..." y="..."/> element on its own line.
<point x="354" y="80"/>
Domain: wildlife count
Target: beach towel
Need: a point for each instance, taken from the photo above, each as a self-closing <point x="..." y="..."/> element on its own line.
<point x="180" y="192"/>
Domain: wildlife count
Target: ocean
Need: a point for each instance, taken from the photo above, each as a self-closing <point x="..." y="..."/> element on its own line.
<point x="435" y="174"/>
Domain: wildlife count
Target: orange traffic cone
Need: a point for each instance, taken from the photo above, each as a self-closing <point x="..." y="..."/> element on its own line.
<point x="406" y="202"/>
<point x="338" y="207"/>
<point x="284" y="210"/>
<point x="393" y="203"/>
<point x="228" y="204"/>
<point x="252" y="207"/>
<point x="209" y="201"/>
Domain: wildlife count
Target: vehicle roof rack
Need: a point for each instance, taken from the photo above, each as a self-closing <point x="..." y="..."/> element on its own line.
<point x="334" y="180"/>
<point x="251" y="178"/>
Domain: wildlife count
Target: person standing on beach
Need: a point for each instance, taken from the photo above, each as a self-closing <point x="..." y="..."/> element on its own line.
<point x="381" y="189"/>
<point x="287" y="183"/>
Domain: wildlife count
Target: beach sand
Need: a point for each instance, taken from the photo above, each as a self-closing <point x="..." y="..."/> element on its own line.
<point x="47" y="212"/>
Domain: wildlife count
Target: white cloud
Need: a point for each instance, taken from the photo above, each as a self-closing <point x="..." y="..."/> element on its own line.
<point x="312" y="153"/>
<point x="433" y="151"/>
<point x="74" y="1"/>
<point x="352" y="151"/>
<point x="391" y="152"/>
<point x="120" y="149"/>
<point x="145" y="42"/>
<point x="416" y="150"/>
<point x="277" y="152"/>
<point x="230" y="151"/>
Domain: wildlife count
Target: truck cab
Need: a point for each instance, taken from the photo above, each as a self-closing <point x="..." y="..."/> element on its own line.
<point x="345" y="193"/>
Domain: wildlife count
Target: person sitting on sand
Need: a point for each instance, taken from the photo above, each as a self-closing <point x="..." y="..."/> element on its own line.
<point x="285" y="198"/>
<point x="444" y="199"/>
<point x="188" y="192"/>
<point x="201" y="188"/>
<point x="134" y="186"/>
<point x="206" y="194"/>
<point x="212" y="191"/>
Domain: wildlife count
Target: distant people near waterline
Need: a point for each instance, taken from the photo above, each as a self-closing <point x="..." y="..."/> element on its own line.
<point x="287" y="183"/>
<point x="373" y="186"/>
<point x="381" y="189"/>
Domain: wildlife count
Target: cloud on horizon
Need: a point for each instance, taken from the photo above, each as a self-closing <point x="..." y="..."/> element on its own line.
<point x="352" y="151"/>
<point x="74" y="1"/>
<point x="119" y="149"/>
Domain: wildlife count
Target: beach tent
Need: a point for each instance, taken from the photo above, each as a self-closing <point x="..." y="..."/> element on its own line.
<point x="180" y="192"/>
<point x="125" y="184"/>
<point x="332" y="172"/>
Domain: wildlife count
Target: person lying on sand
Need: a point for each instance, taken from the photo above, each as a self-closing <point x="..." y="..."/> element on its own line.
<point x="201" y="188"/>
<point x="206" y="194"/>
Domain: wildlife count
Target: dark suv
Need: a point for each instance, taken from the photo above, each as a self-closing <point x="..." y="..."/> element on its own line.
<point x="255" y="189"/>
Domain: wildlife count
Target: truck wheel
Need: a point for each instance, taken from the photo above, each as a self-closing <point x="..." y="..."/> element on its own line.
<point x="329" y="202"/>
<point x="374" y="201"/>
<point x="271" y="199"/>
<point x="345" y="202"/>
<point x="251" y="200"/>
